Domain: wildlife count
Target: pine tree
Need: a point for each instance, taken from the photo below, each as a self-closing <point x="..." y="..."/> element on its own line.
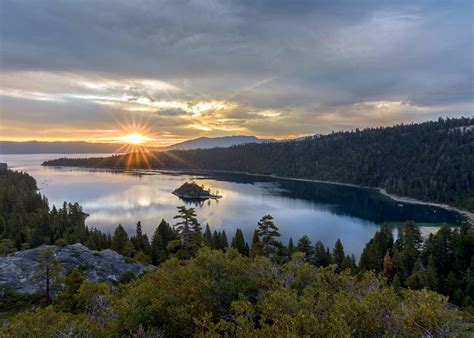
<point x="431" y="277"/>
<point x="338" y="253"/>
<point x="238" y="242"/>
<point x="162" y="236"/>
<point x="321" y="256"/>
<point x="267" y="232"/>
<point x="49" y="272"/>
<point x="67" y="300"/>
<point x="138" y="240"/>
<point x="185" y="230"/>
<point x="223" y="240"/>
<point x="417" y="280"/>
<point x="120" y="241"/>
<point x="304" y="245"/>
<point x="216" y="240"/>
<point x="291" y="247"/>
<point x="256" y="246"/>
<point x="410" y="246"/>
<point x="207" y="237"/>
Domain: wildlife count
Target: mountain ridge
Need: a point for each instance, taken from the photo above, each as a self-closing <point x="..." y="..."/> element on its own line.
<point x="215" y="142"/>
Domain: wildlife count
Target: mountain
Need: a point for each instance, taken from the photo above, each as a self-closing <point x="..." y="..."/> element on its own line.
<point x="38" y="147"/>
<point x="215" y="142"/>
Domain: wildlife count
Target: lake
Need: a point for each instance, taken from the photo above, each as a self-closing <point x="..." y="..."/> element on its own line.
<point x="322" y="211"/>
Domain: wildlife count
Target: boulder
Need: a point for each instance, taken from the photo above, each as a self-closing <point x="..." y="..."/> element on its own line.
<point x="18" y="270"/>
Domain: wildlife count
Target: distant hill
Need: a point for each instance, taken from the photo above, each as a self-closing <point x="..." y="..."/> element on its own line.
<point x="431" y="161"/>
<point x="37" y="147"/>
<point x="215" y="142"/>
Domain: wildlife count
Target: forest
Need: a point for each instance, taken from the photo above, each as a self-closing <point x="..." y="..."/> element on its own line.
<point x="430" y="161"/>
<point x="211" y="285"/>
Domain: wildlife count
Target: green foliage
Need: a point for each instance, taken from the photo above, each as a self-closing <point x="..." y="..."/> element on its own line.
<point x="11" y="301"/>
<point x="219" y="294"/>
<point x="127" y="277"/>
<point x="46" y="322"/>
<point x="67" y="298"/>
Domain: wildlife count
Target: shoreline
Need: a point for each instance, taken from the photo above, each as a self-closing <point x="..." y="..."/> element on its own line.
<point x="467" y="214"/>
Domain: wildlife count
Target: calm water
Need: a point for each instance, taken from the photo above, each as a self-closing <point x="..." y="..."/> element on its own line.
<point x="324" y="212"/>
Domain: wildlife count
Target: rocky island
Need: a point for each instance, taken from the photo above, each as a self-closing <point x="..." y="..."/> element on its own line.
<point x="194" y="191"/>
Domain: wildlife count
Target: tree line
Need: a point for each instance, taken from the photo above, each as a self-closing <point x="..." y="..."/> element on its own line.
<point x="443" y="263"/>
<point x="431" y="161"/>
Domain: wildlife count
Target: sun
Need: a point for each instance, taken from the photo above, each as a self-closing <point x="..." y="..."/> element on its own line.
<point x="134" y="138"/>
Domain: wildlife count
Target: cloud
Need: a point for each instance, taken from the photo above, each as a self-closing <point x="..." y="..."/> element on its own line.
<point x="273" y="68"/>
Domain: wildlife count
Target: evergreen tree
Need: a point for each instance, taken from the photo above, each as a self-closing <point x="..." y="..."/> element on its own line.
<point x="256" y="246"/>
<point x="186" y="230"/>
<point x="430" y="275"/>
<point x="49" y="272"/>
<point x="162" y="237"/>
<point x="216" y="241"/>
<point x="443" y="250"/>
<point x="120" y="241"/>
<point x="338" y="253"/>
<point x="268" y="232"/>
<point x="238" y="242"/>
<point x="291" y="247"/>
<point x="207" y="236"/>
<point x="321" y="256"/>
<point x="304" y="245"/>
<point x="417" y="280"/>
<point x="138" y="240"/>
<point x="67" y="298"/>
<point x="374" y="252"/>
<point x="223" y="240"/>
<point x="410" y="246"/>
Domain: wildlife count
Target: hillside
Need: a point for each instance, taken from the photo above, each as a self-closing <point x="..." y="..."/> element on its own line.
<point x="431" y="161"/>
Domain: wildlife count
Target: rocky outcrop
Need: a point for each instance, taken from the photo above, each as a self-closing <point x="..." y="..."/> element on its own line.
<point x="18" y="270"/>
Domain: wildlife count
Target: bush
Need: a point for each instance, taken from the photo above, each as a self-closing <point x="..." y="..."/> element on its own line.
<point x="127" y="277"/>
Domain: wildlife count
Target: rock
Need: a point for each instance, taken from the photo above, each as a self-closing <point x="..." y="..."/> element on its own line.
<point x="19" y="269"/>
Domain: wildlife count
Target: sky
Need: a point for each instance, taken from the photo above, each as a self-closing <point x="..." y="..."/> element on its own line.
<point x="175" y="70"/>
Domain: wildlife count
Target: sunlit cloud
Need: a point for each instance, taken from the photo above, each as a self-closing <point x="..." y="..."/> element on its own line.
<point x="206" y="68"/>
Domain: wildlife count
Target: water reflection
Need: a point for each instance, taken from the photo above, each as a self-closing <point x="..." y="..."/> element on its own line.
<point x="324" y="212"/>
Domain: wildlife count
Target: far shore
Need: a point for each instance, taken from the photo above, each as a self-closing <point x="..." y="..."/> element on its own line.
<point x="469" y="215"/>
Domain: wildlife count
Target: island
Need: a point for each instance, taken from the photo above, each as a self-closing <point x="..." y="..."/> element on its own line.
<point x="194" y="191"/>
